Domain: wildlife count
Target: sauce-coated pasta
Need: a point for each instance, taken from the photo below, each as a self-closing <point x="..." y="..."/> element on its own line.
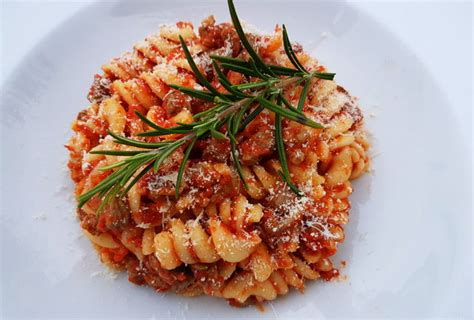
<point x="218" y="238"/>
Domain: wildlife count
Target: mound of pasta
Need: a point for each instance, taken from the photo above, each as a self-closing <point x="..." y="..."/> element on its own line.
<point x="246" y="239"/>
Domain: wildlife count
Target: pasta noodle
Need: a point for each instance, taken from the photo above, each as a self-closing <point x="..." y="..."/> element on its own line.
<point x="245" y="284"/>
<point x="232" y="247"/>
<point x="103" y="240"/>
<point x="245" y="243"/>
<point x="190" y="243"/>
<point x="236" y="213"/>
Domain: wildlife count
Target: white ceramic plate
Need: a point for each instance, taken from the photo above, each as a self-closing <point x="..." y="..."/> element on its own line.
<point x="408" y="247"/>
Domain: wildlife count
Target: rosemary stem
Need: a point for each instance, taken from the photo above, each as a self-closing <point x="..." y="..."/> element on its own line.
<point x="286" y="82"/>
<point x="233" y="108"/>
<point x="281" y="84"/>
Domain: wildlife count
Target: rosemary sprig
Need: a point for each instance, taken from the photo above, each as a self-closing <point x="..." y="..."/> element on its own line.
<point x="235" y="110"/>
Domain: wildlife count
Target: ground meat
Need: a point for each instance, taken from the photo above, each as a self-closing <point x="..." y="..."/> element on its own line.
<point x="135" y="271"/>
<point x="153" y="212"/>
<point x="149" y="272"/>
<point x="257" y="139"/>
<point x="198" y="105"/>
<point x="83" y="115"/>
<point x="350" y="109"/>
<point x="168" y="278"/>
<point x="141" y="273"/>
<point x="209" y="277"/>
<point x="214" y="36"/>
<point x="175" y="101"/>
<point x="119" y="215"/>
<point x="100" y="89"/>
<point x="259" y="145"/>
<point x="217" y="150"/>
<point x="88" y="221"/>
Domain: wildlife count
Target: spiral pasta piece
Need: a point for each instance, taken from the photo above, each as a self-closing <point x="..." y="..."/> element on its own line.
<point x="236" y="213"/>
<point x="232" y="247"/>
<point x="135" y="92"/>
<point x="260" y="182"/>
<point x="127" y="67"/>
<point x="104" y="240"/>
<point x="260" y="263"/>
<point x="184" y="244"/>
<point x="244" y="284"/>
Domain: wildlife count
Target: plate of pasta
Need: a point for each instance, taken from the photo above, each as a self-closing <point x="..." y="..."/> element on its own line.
<point x="188" y="165"/>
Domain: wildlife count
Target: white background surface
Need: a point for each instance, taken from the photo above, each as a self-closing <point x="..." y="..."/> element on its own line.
<point x="440" y="34"/>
